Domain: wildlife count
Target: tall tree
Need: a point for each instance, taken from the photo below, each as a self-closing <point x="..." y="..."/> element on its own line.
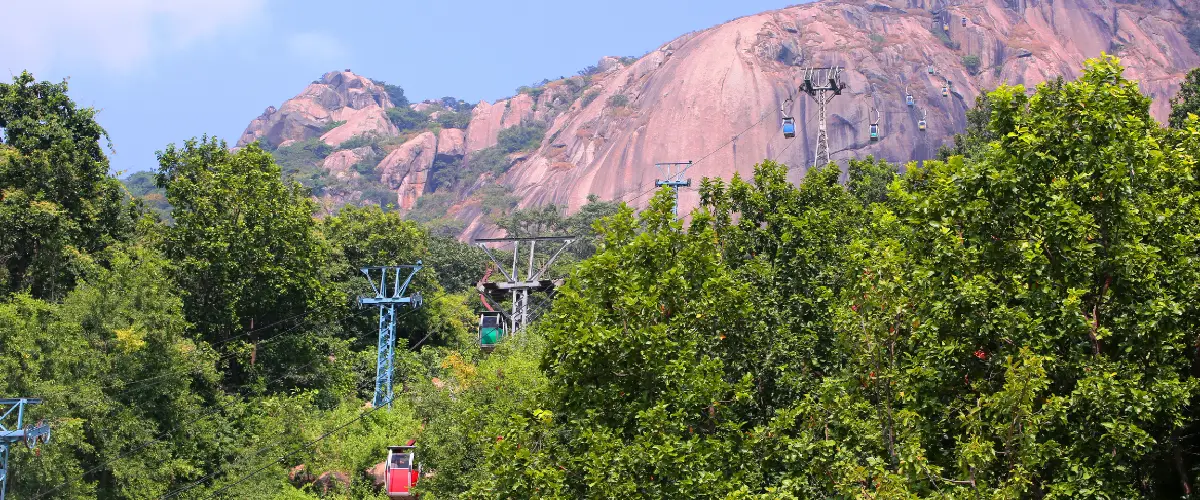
<point x="58" y="202"/>
<point x="245" y="243"/>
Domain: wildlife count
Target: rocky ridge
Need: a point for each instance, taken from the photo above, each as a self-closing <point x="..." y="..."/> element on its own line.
<point x="715" y="96"/>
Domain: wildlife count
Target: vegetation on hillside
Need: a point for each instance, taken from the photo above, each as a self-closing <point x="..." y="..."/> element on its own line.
<point x="1016" y="320"/>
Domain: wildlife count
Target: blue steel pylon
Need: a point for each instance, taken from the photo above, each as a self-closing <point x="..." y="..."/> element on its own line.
<point x="674" y="173"/>
<point x="19" y="433"/>
<point x="388" y="294"/>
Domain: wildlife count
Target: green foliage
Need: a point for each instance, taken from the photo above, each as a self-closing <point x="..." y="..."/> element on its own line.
<point x="588" y="97"/>
<point x="395" y="93"/>
<point x="407" y="119"/>
<point x="618" y="101"/>
<point x="302" y="162"/>
<point x="971" y="62"/>
<point x="245" y="243"/>
<point x="978" y="134"/>
<point x="877" y="39"/>
<point x="332" y="125"/>
<point x="1187" y="101"/>
<point x="143" y="186"/>
<point x="58" y="202"/>
<point x="1017" y="323"/>
<point x="524" y="137"/>
<point x="497" y="200"/>
<point x="448" y="118"/>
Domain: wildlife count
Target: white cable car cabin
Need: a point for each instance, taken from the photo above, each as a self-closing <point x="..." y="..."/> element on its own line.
<point x="400" y="473"/>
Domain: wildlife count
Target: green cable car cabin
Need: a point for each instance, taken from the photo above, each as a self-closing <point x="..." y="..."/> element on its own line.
<point x="491" y="329"/>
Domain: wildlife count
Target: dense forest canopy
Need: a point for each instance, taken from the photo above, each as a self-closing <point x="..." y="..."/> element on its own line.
<point x="1020" y="318"/>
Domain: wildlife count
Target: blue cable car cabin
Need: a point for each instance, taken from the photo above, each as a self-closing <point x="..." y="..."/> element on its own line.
<point x="789" y="127"/>
<point x="491" y="329"/>
<point x="874" y="132"/>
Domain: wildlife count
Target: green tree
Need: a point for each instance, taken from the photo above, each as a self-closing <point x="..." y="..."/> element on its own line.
<point x="246" y="245"/>
<point x="1187" y="101"/>
<point x="58" y="203"/>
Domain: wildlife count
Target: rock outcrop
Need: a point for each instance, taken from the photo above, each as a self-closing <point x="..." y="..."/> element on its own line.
<point x="487" y="120"/>
<point x="339" y="96"/>
<point x="714" y="96"/>
<point x="406" y="169"/>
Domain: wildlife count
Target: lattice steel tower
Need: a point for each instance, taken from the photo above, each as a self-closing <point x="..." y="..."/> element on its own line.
<point x="388" y="294"/>
<point x="822" y="84"/>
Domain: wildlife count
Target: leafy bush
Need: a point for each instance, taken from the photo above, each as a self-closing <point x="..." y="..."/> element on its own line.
<point x="971" y="62"/>
<point x="588" y="97"/>
<point x="407" y="119"/>
<point x="453" y="119"/>
<point x="332" y="125"/>
<point x="618" y="101"/>
<point x="395" y="93"/>
<point x="301" y="162"/>
<point x="524" y="137"/>
<point x="876" y="38"/>
<point x="497" y="200"/>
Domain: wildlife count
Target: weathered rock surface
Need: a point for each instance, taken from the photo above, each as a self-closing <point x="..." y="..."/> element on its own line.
<point x="714" y="96"/>
<point x="451" y="142"/>
<point x="406" y="169"/>
<point x="487" y="120"/>
<point x="337" y="96"/>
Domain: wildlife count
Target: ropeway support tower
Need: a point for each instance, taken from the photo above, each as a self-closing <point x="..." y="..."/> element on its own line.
<point x="19" y="433"/>
<point x="673" y="177"/>
<point x="822" y="84"/>
<point x="516" y="285"/>
<point x="389" y="293"/>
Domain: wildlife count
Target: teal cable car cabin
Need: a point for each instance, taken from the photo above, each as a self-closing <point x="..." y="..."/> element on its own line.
<point x="491" y="329"/>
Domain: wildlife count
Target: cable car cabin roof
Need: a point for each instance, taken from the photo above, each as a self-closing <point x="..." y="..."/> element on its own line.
<point x="501" y="289"/>
<point x="401" y="448"/>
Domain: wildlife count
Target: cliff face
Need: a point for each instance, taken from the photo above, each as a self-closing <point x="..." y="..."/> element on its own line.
<point x="715" y="96"/>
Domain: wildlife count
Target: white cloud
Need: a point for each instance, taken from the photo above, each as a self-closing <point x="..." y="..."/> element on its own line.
<point x="117" y="35"/>
<point x="318" y="47"/>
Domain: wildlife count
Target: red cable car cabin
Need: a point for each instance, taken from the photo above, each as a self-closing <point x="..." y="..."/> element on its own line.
<point x="401" y="471"/>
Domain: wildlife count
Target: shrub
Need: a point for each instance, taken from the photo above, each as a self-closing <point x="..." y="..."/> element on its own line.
<point x="877" y="38"/>
<point x="406" y="118"/>
<point x="301" y="162"/>
<point x="588" y="97"/>
<point x="394" y="92"/>
<point x="453" y="119"/>
<point x="524" y="137"/>
<point x="971" y="62"/>
<point x="618" y="101"/>
<point x="332" y="125"/>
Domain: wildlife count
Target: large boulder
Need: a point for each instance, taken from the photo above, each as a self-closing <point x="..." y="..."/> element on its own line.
<point x="406" y="169"/>
<point x="451" y="142"/>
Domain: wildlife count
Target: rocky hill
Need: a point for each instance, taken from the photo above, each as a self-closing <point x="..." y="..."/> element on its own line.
<point x="714" y="97"/>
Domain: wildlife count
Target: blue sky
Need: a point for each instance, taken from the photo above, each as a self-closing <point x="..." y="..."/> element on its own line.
<point x="162" y="71"/>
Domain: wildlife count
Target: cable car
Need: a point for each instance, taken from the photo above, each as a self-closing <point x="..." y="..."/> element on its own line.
<point x="908" y="98"/>
<point x="964" y="21"/>
<point x="945" y="91"/>
<point x="946" y="27"/>
<point x="931" y="70"/>
<point x="400" y="472"/>
<point x="491" y="329"/>
<point x="874" y="132"/>
<point x="921" y="125"/>
<point x="789" y="127"/>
